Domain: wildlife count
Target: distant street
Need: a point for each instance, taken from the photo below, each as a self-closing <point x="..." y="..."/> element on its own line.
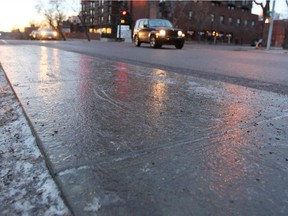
<point x="142" y="131"/>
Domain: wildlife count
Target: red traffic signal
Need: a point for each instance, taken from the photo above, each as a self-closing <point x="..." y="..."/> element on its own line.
<point x="125" y="18"/>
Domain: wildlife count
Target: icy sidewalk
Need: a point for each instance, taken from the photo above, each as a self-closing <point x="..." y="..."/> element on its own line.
<point x="26" y="186"/>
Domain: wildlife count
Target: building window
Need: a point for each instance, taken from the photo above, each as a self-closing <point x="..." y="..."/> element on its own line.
<point x="222" y="19"/>
<point x="246" y="23"/>
<point x="212" y="17"/>
<point x="101" y="19"/>
<point x="238" y="21"/>
<point x="230" y="20"/>
<point x="101" y="2"/>
<point x="253" y="24"/>
<point x="190" y="15"/>
<point x="245" y="2"/>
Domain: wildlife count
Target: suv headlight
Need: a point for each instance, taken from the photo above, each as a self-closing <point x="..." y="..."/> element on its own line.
<point x="162" y="33"/>
<point x="180" y="33"/>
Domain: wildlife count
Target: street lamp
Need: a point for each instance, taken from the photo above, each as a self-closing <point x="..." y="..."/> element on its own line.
<point x="212" y="26"/>
<point x="271" y="26"/>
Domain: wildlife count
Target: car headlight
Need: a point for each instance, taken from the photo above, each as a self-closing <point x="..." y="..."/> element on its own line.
<point x="180" y="33"/>
<point x="162" y="33"/>
<point x="54" y="33"/>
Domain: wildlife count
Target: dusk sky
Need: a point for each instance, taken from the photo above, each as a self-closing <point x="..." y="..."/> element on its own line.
<point x="19" y="13"/>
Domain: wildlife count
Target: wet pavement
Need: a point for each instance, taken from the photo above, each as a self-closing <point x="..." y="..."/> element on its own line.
<point x="122" y="139"/>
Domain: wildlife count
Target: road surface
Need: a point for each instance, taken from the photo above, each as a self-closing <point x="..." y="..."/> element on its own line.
<point x="161" y="133"/>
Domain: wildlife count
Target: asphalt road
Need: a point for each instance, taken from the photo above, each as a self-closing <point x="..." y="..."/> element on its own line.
<point x="138" y="131"/>
<point x="241" y="65"/>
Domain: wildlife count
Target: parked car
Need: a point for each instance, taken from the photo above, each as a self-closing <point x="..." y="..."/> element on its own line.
<point x="157" y="32"/>
<point x="32" y="35"/>
<point x="43" y="34"/>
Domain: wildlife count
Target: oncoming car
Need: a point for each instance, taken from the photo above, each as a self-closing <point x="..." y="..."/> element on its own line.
<point x="157" y="32"/>
<point x="44" y="34"/>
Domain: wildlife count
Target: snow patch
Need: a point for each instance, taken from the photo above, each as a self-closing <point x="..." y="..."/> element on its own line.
<point x="72" y="170"/>
<point x="94" y="206"/>
<point x="26" y="185"/>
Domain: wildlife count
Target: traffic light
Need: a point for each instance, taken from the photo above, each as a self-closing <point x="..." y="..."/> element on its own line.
<point x="125" y="17"/>
<point x="268" y="11"/>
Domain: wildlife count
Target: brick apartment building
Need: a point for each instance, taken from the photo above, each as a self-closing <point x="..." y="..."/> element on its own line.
<point x="101" y="16"/>
<point x="231" y="21"/>
<point x="280" y="28"/>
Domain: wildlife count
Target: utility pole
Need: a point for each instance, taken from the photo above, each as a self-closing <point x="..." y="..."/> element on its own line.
<point x="271" y="26"/>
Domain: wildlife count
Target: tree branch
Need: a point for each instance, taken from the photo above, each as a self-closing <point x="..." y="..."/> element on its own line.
<point x="260" y="3"/>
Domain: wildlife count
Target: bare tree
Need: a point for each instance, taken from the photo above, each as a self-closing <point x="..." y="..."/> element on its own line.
<point x="74" y="5"/>
<point x="54" y="15"/>
<point x="265" y="8"/>
<point x="265" y="12"/>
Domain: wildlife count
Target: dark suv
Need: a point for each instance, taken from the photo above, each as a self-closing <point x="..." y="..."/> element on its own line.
<point x="157" y="32"/>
